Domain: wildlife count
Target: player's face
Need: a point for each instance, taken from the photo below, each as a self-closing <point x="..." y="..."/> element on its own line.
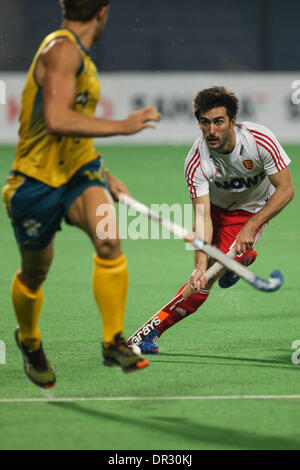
<point x="218" y="130"/>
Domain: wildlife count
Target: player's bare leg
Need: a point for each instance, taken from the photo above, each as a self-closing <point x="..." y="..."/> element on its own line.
<point x="27" y="297"/>
<point x="110" y="274"/>
<point x="35" y="266"/>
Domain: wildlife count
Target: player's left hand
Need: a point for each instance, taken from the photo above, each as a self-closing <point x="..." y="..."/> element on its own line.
<point x="245" y="239"/>
<point x="198" y="279"/>
<point x="116" y="187"/>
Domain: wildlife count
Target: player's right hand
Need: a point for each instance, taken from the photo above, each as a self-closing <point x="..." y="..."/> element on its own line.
<point x="246" y="238"/>
<point x="139" y="120"/>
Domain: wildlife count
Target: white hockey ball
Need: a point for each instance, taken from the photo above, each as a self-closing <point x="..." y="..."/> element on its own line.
<point x="135" y="348"/>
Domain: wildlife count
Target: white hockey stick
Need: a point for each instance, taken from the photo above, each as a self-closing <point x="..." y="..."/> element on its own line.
<point x="276" y="277"/>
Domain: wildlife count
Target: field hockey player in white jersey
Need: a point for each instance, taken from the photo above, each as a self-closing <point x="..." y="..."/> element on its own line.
<point x="238" y="174"/>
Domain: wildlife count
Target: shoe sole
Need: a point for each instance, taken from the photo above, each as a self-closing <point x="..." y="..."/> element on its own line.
<point x="39" y="384"/>
<point x="138" y="366"/>
<point x="153" y="351"/>
<point x="135" y="367"/>
<point x="110" y="363"/>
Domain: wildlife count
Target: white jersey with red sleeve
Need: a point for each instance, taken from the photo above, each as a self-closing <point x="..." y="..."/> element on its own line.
<point x="238" y="180"/>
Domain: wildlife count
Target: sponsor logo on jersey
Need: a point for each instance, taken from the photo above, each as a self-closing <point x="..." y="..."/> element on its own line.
<point x="239" y="183"/>
<point x="248" y="164"/>
<point x="82" y="98"/>
<point x="242" y="150"/>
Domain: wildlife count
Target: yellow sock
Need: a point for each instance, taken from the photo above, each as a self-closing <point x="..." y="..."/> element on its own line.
<point x="28" y="305"/>
<point x="110" y="285"/>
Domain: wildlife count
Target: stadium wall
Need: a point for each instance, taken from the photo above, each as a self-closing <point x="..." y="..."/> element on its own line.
<point x="271" y="99"/>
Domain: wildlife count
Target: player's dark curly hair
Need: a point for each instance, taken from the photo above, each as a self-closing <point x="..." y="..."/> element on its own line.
<point x="81" y="10"/>
<point x="216" y="97"/>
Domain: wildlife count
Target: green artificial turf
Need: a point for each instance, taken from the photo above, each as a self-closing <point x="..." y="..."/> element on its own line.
<point x="238" y="343"/>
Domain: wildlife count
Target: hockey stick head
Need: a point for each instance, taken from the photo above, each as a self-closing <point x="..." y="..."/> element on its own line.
<point x="273" y="284"/>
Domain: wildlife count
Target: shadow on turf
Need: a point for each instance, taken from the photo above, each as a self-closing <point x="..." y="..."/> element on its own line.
<point x="286" y="359"/>
<point x="195" y="432"/>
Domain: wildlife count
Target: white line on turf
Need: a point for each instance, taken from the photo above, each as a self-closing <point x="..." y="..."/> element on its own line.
<point x="207" y="397"/>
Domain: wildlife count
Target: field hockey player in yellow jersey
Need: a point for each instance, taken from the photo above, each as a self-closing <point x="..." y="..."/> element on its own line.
<point x="57" y="173"/>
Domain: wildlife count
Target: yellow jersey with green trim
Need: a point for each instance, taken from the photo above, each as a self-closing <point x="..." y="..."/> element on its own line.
<point x="54" y="159"/>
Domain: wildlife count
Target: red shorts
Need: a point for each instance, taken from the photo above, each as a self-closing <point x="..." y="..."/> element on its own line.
<point x="227" y="225"/>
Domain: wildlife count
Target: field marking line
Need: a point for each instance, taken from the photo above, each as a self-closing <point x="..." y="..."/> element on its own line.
<point x="207" y="397"/>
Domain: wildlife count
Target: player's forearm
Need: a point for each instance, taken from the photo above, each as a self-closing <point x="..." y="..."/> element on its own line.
<point x="273" y="207"/>
<point x="72" y="123"/>
<point x="204" y="232"/>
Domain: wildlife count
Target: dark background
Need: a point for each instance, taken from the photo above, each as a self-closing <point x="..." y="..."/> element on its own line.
<point x="164" y="35"/>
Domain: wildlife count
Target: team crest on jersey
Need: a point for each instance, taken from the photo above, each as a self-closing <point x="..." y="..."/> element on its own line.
<point x="248" y="164"/>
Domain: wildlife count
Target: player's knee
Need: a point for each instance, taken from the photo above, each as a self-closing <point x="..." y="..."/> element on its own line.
<point x="34" y="277"/>
<point x="108" y="249"/>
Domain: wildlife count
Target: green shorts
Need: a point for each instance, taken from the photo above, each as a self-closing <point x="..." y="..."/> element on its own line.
<point x="37" y="210"/>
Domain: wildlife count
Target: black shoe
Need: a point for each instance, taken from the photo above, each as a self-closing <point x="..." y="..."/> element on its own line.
<point x="230" y="278"/>
<point x="119" y="354"/>
<point x="36" y="366"/>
